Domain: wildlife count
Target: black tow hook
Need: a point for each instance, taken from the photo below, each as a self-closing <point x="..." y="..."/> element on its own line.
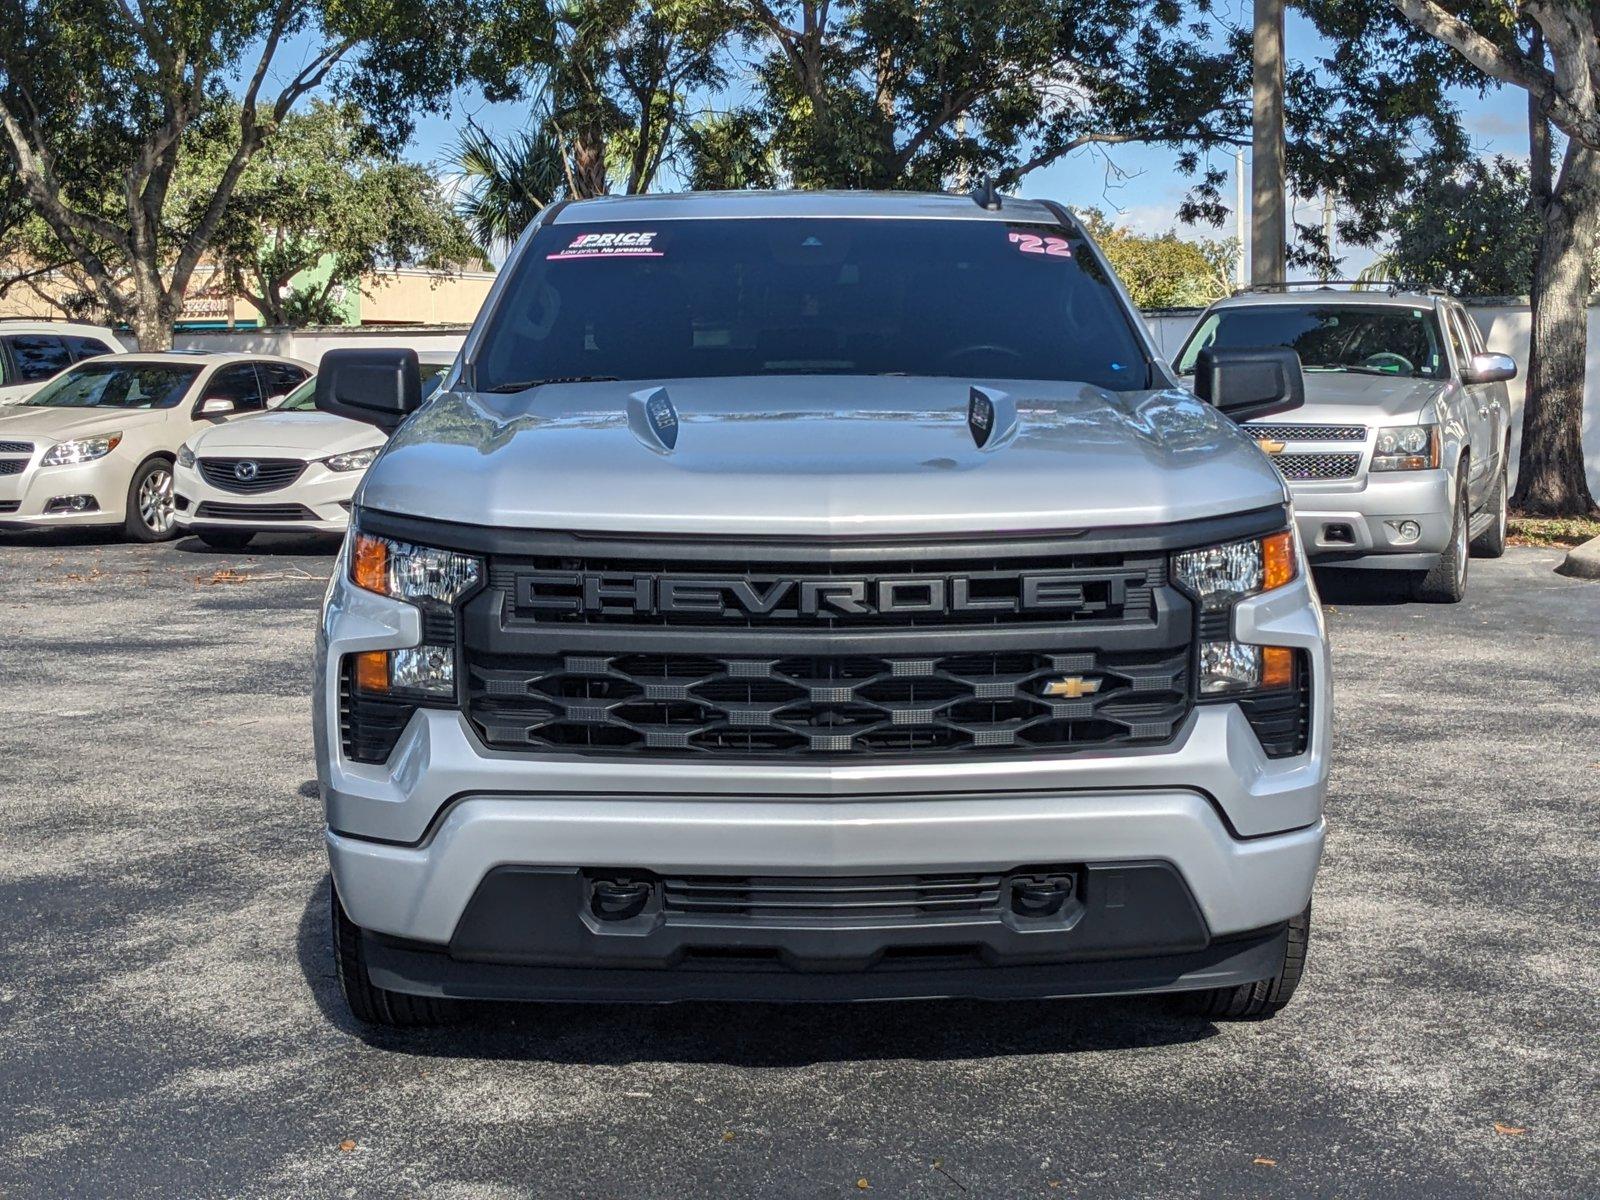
<point x="1040" y="895"/>
<point x="619" y="899"/>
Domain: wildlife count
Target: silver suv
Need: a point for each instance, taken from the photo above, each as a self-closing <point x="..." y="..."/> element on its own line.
<point x="1398" y="460"/>
<point x="811" y="597"/>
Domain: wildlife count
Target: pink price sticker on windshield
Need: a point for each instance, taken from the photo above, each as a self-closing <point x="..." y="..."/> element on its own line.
<point x="638" y="243"/>
<point x="1033" y="243"/>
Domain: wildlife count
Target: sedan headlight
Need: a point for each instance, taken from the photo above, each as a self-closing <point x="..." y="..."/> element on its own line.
<point x="1406" y="448"/>
<point x="353" y="460"/>
<point x="185" y="456"/>
<point x="80" y="450"/>
<point x="1218" y="577"/>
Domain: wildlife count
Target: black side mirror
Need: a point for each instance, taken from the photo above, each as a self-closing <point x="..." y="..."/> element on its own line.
<point x="380" y="387"/>
<point x="1250" y="383"/>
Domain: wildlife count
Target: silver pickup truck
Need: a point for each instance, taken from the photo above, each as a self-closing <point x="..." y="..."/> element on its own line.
<point x="1398" y="459"/>
<point x="817" y="597"/>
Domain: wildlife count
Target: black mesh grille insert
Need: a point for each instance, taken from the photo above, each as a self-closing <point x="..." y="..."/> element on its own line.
<point x="254" y="512"/>
<point x="13" y="466"/>
<point x="833" y="898"/>
<point x="16" y="447"/>
<point x="828" y="705"/>
<point x="261" y="474"/>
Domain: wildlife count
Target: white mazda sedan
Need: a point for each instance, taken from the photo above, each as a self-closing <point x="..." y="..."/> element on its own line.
<point x="96" y="444"/>
<point x="293" y="469"/>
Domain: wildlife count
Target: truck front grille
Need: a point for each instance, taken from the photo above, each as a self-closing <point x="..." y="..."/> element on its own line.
<point x="811" y="705"/>
<point x="1317" y="466"/>
<point x="842" y="898"/>
<point x="1307" y="433"/>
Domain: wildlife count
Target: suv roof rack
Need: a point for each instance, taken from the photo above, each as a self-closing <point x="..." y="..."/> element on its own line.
<point x="1391" y="286"/>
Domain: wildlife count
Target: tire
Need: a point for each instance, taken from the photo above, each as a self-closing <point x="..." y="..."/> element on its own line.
<point x="1491" y="543"/>
<point x="225" y="539"/>
<point x="150" y="509"/>
<point x="1264" y="998"/>
<point x="374" y="1005"/>
<point x="1446" y="583"/>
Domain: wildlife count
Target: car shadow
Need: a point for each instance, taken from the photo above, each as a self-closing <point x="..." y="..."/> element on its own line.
<point x="92" y="535"/>
<point x="266" y="545"/>
<point x="753" y="1035"/>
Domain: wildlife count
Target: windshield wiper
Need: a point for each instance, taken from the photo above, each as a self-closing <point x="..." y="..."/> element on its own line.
<point x="524" y="384"/>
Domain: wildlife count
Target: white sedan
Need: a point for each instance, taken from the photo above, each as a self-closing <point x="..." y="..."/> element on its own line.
<point x="96" y="444"/>
<point x="293" y="469"/>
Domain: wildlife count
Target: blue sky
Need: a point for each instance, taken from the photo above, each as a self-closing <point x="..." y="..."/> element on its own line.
<point x="1139" y="186"/>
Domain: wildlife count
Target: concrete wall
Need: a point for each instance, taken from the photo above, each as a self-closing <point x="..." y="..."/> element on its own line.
<point x="1505" y="330"/>
<point x="309" y="345"/>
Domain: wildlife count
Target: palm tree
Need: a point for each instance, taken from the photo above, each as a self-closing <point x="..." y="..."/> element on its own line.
<point x="506" y="184"/>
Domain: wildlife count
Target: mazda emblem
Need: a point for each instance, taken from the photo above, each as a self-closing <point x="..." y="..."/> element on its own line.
<point x="247" y="470"/>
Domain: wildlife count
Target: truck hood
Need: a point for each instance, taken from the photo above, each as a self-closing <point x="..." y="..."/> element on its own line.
<point x="818" y="456"/>
<point x="61" y="424"/>
<point x="1338" y="397"/>
<point x="305" y="435"/>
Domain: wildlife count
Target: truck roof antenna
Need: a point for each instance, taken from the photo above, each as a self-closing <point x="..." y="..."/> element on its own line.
<point x="986" y="195"/>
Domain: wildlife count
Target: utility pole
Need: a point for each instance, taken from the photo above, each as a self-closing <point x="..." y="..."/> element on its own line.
<point x="1239" y="218"/>
<point x="1327" y="234"/>
<point x="1269" y="233"/>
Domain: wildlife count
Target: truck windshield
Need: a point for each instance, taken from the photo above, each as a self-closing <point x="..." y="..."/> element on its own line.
<point x="699" y="298"/>
<point x="1372" y="340"/>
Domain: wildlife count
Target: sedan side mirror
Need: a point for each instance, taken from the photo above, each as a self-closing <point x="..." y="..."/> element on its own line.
<point x="380" y="387"/>
<point x="216" y="406"/>
<point x="1250" y="383"/>
<point x="1489" y="368"/>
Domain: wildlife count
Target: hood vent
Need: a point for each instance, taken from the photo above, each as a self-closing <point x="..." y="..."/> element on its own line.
<point x="991" y="417"/>
<point x="654" y="420"/>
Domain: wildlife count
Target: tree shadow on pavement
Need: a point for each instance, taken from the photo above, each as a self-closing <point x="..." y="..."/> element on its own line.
<point x="1362" y="587"/>
<point x="754" y="1035"/>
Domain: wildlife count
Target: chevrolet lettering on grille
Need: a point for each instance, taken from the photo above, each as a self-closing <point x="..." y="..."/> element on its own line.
<point x="567" y="593"/>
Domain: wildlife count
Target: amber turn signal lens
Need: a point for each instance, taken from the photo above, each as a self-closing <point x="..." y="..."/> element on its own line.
<point x="372" y="671"/>
<point x="1277" y="666"/>
<point x="1277" y="560"/>
<point x="369" y="564"/>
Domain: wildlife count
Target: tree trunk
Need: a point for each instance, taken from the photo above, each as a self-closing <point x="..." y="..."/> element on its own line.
<point x="1551" y="475"/>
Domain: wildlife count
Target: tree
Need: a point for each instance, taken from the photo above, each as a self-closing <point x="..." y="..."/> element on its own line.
<point x="1164" y="271"/>
<point x="322" y="194"/>
<point x="612" y="79"/>
<point x="728" y="151"/>
<point x="99" y="99"/>
<point x="505" y="185"/>
<point x="1474" y="232"/>
<point x="1550" y="49"/>
<point x="914" y="93"/>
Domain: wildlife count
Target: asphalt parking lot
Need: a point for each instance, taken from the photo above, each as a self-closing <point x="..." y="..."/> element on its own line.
<point x="170" y="1024"/>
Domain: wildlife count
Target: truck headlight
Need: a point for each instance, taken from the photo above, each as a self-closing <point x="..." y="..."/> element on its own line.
<point x="1406" y="448"/>
<point x="352" y="460"/>
<point x="80" y="450"/>
<point x="185" y="456"/>
<point x="1218" y="577"/>
<point x="430" y="578"/>
<point x="414" y="573"/>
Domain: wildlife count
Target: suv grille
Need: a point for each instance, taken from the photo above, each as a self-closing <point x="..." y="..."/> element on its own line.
<point x="811" y="705"/>
<point x="1317" y="466"/>
<point x="1307" y="433"/>
<point x="271" y="473"/>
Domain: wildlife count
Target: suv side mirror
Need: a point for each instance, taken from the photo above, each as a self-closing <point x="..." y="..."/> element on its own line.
<point x="1489" y="368"/>
<point x="1250" y="383"/>
<point x="216" y="406"/>
<point x="380" y="387"/>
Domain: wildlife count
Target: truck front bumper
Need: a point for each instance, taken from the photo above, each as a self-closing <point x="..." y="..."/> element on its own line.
<point x="1390" y="520"/>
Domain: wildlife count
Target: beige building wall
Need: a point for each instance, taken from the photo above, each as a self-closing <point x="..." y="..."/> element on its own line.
<point x="420" y="298"/>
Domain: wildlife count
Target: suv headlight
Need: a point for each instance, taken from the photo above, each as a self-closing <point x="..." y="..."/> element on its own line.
<point x="185" y="456"/>
<point x="80" y="450"/>
<point x="429" y="578"/>
<point x="1218" y="577"/>
<point x="351" y="460"/>
<point x="1406" y="448"/>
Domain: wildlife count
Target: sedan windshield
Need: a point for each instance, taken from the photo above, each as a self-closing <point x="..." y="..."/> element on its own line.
<point x="99" y="384"/>
<point x="797" y="296"/>
<point x="1371" y="340"/>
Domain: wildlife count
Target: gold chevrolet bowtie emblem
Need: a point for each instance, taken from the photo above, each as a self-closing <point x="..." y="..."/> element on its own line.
<point x="1073" y="687"/>
<point x="1270" y="446"/>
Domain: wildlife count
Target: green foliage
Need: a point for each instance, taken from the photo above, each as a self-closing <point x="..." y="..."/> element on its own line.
<point x="728" y="151"/>
<point x="1473" y="232"/>
<point x="1164" y="271"/>
<point x="324" y="192"/>
<point x="505" y="184"/>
